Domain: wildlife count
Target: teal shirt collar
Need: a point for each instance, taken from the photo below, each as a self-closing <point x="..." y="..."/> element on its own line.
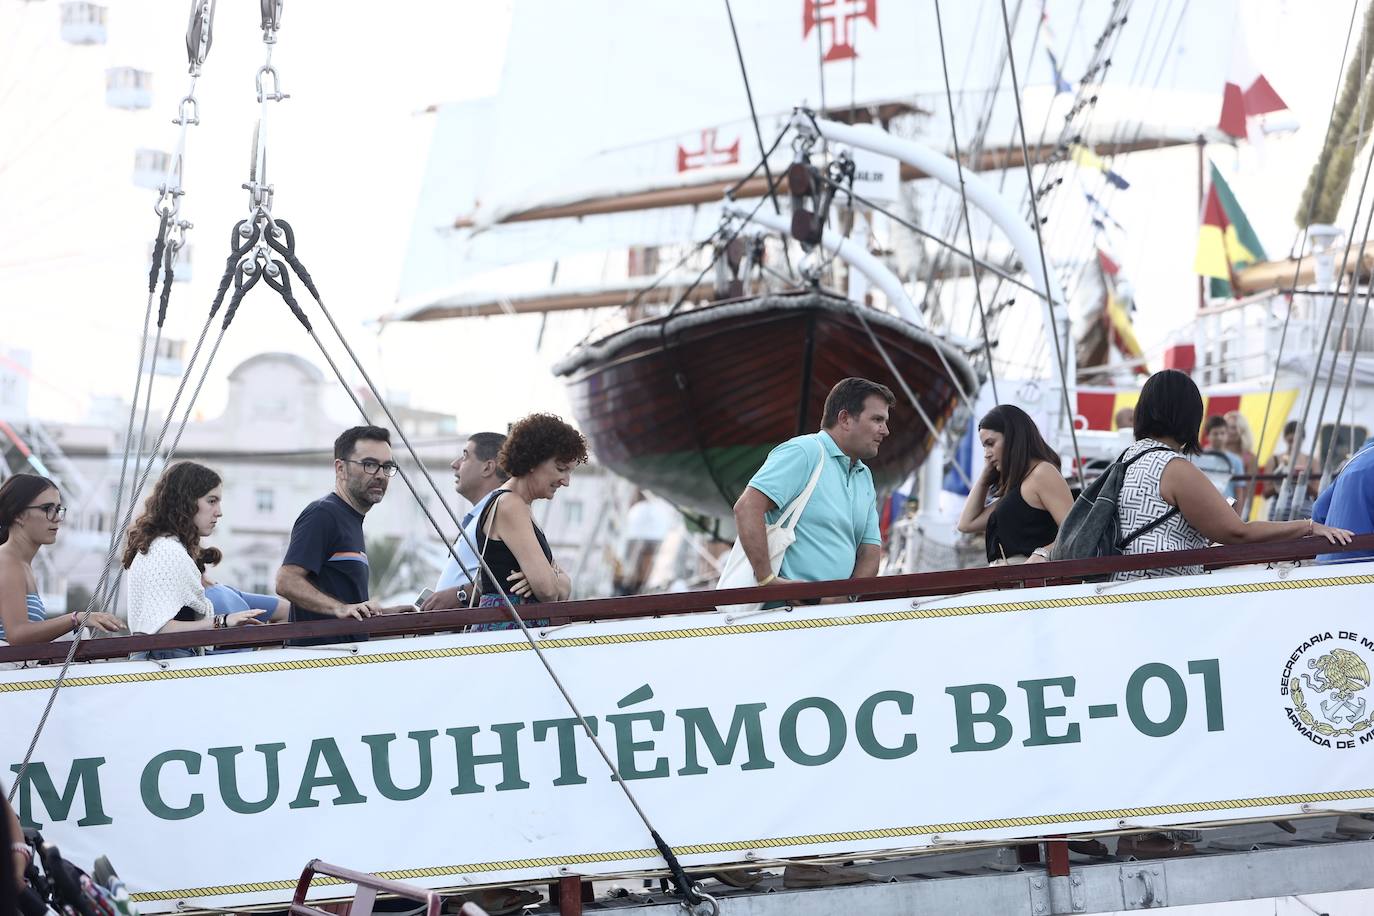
<point x="834" y="451"/>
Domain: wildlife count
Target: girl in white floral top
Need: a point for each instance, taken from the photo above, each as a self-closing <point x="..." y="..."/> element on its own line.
<point x="166" y="562"/>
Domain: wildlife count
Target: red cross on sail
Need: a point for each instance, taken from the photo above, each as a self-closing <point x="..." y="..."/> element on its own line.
<point x="709" y="156"/>
<point x="838" y="17"/>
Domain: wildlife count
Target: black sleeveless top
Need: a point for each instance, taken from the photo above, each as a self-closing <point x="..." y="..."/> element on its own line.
<point x="1016" y="528"/>
<point x="498" y="554"/>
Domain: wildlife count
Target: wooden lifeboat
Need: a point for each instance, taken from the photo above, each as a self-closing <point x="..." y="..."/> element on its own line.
<point x="689" y="405"/>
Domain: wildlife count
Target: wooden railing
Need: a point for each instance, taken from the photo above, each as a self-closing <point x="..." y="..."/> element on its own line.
<point x="945" y="582"/>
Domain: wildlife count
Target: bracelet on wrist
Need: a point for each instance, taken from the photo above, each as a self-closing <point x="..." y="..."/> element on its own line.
<point x="76" y="621"/>
<point x="770" y="578"/>
<point x="23" y="849"/>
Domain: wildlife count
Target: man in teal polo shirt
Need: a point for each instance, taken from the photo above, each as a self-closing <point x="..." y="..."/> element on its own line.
<point x="837" y="535"/>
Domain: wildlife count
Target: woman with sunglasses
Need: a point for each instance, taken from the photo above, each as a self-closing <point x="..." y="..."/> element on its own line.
<point x="166" y="562"/>
<point x="31" y="513"/>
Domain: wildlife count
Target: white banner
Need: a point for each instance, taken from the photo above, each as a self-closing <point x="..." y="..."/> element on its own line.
<point x="451" y="760"/>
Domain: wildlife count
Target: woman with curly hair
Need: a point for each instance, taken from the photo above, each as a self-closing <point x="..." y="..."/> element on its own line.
<point x="31" y="514"/>
<point x="539" y="454"/>
<point x="166" y="562"/>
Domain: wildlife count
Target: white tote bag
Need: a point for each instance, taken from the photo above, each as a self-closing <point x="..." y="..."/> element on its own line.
<point x="739" y="573"/>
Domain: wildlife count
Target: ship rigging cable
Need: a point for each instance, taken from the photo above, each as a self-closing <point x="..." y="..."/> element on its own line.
<point x="199" y="34"/>
<point x="1334" y="343"/>
<point x="963" y="202"/>
<point x="1044" y="262"/>
<point x="255" y="240"/>
<point x="749" y="94"/>
<point x="198" y="39"/>
<point x="1319" y="357"/>
<point x="1286" y="490"/>
<point x="1099" y="64"/>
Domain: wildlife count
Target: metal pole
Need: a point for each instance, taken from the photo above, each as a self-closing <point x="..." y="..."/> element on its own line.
<point x="1201" y="146"/>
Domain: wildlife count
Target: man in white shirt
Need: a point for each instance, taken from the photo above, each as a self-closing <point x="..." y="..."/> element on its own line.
<point x="476" y="475"/>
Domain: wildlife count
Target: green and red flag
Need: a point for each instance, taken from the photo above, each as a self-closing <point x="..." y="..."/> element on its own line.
<point x="1226" y="241"/>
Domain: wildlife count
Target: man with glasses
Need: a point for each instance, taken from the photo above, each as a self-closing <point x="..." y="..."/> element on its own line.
<point x="324" y="573"/>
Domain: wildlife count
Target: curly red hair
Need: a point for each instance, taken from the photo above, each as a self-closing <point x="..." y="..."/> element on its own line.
<point x="171" y="510"/>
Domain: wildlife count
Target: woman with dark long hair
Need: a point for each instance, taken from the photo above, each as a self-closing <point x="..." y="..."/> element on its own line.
<point x="1029" y="495"/>
<point x="166" y="562"/>
<point x="31" y="514"/>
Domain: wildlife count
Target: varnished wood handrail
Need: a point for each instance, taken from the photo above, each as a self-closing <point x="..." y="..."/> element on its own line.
<point x="944" y="582"/>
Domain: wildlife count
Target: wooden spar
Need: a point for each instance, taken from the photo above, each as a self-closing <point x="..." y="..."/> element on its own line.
<point x="714" y="188"/>
<point x="1267" y="275"/>
<point x="553" y="300"/>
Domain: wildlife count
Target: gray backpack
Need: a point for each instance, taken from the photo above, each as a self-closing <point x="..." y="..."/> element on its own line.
<point x="1092" y="528"/>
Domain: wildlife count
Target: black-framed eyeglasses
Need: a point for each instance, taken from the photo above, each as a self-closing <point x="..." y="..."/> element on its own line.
<point x="371" y="466"/>
<point x="54" y="511"/>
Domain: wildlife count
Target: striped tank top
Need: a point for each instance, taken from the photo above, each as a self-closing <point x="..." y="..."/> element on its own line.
<point x="37" y="613"/>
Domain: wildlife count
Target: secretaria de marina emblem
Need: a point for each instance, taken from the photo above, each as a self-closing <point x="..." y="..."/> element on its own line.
<point x="1324" y="682"/>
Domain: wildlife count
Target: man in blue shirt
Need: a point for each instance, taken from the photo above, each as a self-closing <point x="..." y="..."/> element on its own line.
<point x="1349" y="502"/>
<point x="837" y="534"/>
<point x="476" y="475"/>
<point x="324" y="573"/>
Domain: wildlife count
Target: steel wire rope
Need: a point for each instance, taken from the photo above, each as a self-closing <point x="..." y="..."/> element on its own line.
<point x="934" y="285"/>
<point x="101" y="595"/>
<point x="1285" y="491"/>
<point x="1079" y="103"/>
<point x="927" y="234"/>
<point x="963" y="200"/>
<point x="158" y="245"/>
<point x="679" y="377"/>
<point x="1327" y="469"/>
<point x="935" y="282"/>
<point x="686" y="889"/>
<point x="1044" y="261"/>
<point x="1098" y="67"/>
<point x="753" y="115"/>
<point x="878" y="208"/>
<point x="1039" y="144"/>
<point x="954" y="248"/>
<point x="1320" y="354"/>
<point x="103" y="580"/>
<point x="1058" y="162"/>
<point x="199" y="32"/>
<point x="906" y="389"/>
<point x="1305" y="474"/>
<point x="1109" y="191"/>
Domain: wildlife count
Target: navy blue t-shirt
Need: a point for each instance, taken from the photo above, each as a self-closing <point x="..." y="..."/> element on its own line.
<point x="327" y="542"/>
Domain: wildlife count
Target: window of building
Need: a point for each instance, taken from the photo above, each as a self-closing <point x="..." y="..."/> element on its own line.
<point x="573" y="508"/>
<point x="265" y="499"/>
<point x="1339" y="443"/>
<point x="258" y="574"/>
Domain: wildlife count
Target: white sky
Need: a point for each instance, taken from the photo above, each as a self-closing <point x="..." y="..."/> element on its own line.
<point x="347" y="153"/>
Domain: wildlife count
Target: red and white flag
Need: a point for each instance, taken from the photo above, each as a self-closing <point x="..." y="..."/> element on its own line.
<point x="1248" y="95"/>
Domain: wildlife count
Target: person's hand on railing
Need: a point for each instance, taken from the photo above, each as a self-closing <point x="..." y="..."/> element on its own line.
<point x="1334" y="535"/>
<point x="357" y="611"/>
<point x="246" y="618"/>
<point x="106" y="623"/>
